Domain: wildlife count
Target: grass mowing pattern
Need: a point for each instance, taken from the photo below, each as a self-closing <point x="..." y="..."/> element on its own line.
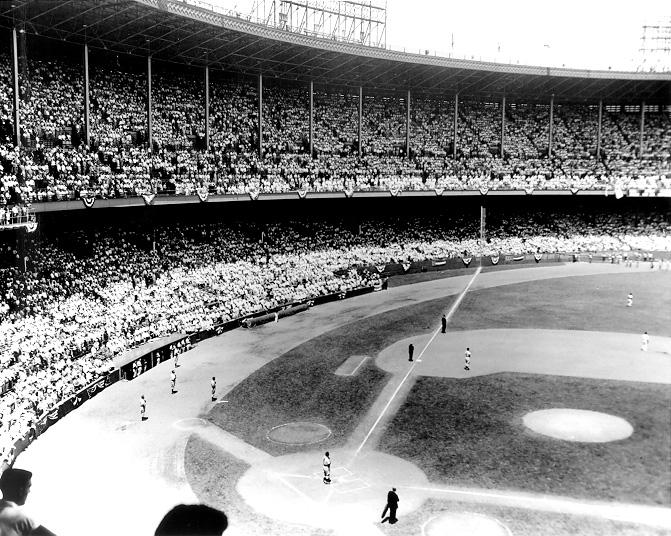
<point x="470" y="433"/>
<point x="593" y="302"/>
<point x="301" y="385"/>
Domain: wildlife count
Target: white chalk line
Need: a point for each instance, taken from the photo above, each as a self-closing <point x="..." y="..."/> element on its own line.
<point x="642" y="514"/>
<point x="393" y="396"/>
<point x="449" y="314"/>
<point x="357" y="367"/>
<point x="295" y="489"/>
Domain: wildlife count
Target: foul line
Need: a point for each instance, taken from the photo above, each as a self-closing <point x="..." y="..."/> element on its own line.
<point x="419" y="359"/>
<point x="295" y="489"/>
<point x="654" y="516"/>
<point x="357" y="367"/>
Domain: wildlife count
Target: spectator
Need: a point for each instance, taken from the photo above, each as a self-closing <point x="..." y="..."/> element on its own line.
<point x="15" y="486"/>
<point x="192" y="520"/>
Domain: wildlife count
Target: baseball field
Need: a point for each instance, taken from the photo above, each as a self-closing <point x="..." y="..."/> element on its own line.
<point x="562" y="425"/>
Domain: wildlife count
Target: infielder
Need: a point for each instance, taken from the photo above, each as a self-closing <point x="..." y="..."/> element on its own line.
<point x="213" y="384"/>
<point x="467" y="359"/>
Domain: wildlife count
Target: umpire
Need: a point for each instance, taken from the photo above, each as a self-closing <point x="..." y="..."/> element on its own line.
<point x="392" y="506"/>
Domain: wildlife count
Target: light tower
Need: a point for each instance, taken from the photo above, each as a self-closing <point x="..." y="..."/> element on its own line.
<point x="655" y="51"/>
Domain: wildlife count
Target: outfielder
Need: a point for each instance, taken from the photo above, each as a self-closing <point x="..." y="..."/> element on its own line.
<point x="143" y="408"/>
<point x="326" y="462"/>
<point x="213" y="384"/>
<point x="630" y="299"/>
<point x="467" y="359"/>
<point x="645" y="340"/>
<point x="173" y="381"/>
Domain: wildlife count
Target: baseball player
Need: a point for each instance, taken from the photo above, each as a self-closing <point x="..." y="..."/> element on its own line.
<point x="213" y="384"/>
<point x="467" y="359"/>
<point x="326" y="462"/>
<point x="173" y="381"/>
<point x="630" y="299"/>
<point x="143" y="408"/>
<point x="645" y="340"/>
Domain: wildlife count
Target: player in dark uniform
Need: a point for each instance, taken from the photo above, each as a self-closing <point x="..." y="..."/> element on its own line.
<point x="392" y="506"/>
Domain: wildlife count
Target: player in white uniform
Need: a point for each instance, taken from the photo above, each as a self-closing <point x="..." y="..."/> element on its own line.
<point x="173" y="381"/>
<point x="630" y="299"/>
<point x="645" y="340"/>
<point x="326" y="462"/>
<point x="213" y="384"/>
<point x="467" y="359"/>
<point x="143" y="408"/>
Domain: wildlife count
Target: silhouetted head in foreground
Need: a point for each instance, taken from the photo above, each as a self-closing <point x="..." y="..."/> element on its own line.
<point x="192" y="520"/>
<point x="15" y="485"/>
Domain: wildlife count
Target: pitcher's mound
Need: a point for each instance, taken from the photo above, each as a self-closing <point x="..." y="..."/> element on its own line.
<point x="464" y="524"/>
<point x="298" y="433"/>
<point x="578" y="425"/>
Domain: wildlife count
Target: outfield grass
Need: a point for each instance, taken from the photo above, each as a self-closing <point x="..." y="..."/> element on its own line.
<point x="594" y="303"/>
<point x="521" y="522"/>
<point x="411" y="279"/>
<point x="301" y="385"/>
<point x="469" y="433"/>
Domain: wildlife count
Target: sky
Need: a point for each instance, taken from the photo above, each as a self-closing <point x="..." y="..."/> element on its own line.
<point x="589" y="34"/>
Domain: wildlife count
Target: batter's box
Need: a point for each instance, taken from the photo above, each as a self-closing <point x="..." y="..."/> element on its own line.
<point x="339" y="473"/>
<point x="347" y="482"/>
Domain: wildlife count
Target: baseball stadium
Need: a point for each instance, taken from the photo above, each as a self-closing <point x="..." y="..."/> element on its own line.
<point x="267" y="264"/>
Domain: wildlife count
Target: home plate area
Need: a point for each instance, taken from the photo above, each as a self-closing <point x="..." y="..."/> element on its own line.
<point x="347" y="482"/>
<point x="290" y="488"/>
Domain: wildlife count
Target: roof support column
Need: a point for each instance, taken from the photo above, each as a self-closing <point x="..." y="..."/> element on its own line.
<point x="483" y="220"/>
<point x="312" y="112"/>
<point x="87" y="109"/>
<point x="15" y="62"/>
<point x="503" y="123"/>
<point x="260" y="115"/>
<point x="552" y="106"/>
<point x="360" y="116"/>
<point x="207" y="107"/>
<point x="598" y="131"/>
<point x="150" y="134"/>
<point x="407" y="127"/>
<point x="454" y="126"/>
<point x="640" y="143"/>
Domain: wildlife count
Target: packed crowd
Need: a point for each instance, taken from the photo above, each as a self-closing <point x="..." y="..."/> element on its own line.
<point x="54" y="162"/>
<point x="88" y="296"/>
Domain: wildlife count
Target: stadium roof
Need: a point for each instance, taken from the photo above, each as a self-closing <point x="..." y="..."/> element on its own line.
<point x="175" y="30"/>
